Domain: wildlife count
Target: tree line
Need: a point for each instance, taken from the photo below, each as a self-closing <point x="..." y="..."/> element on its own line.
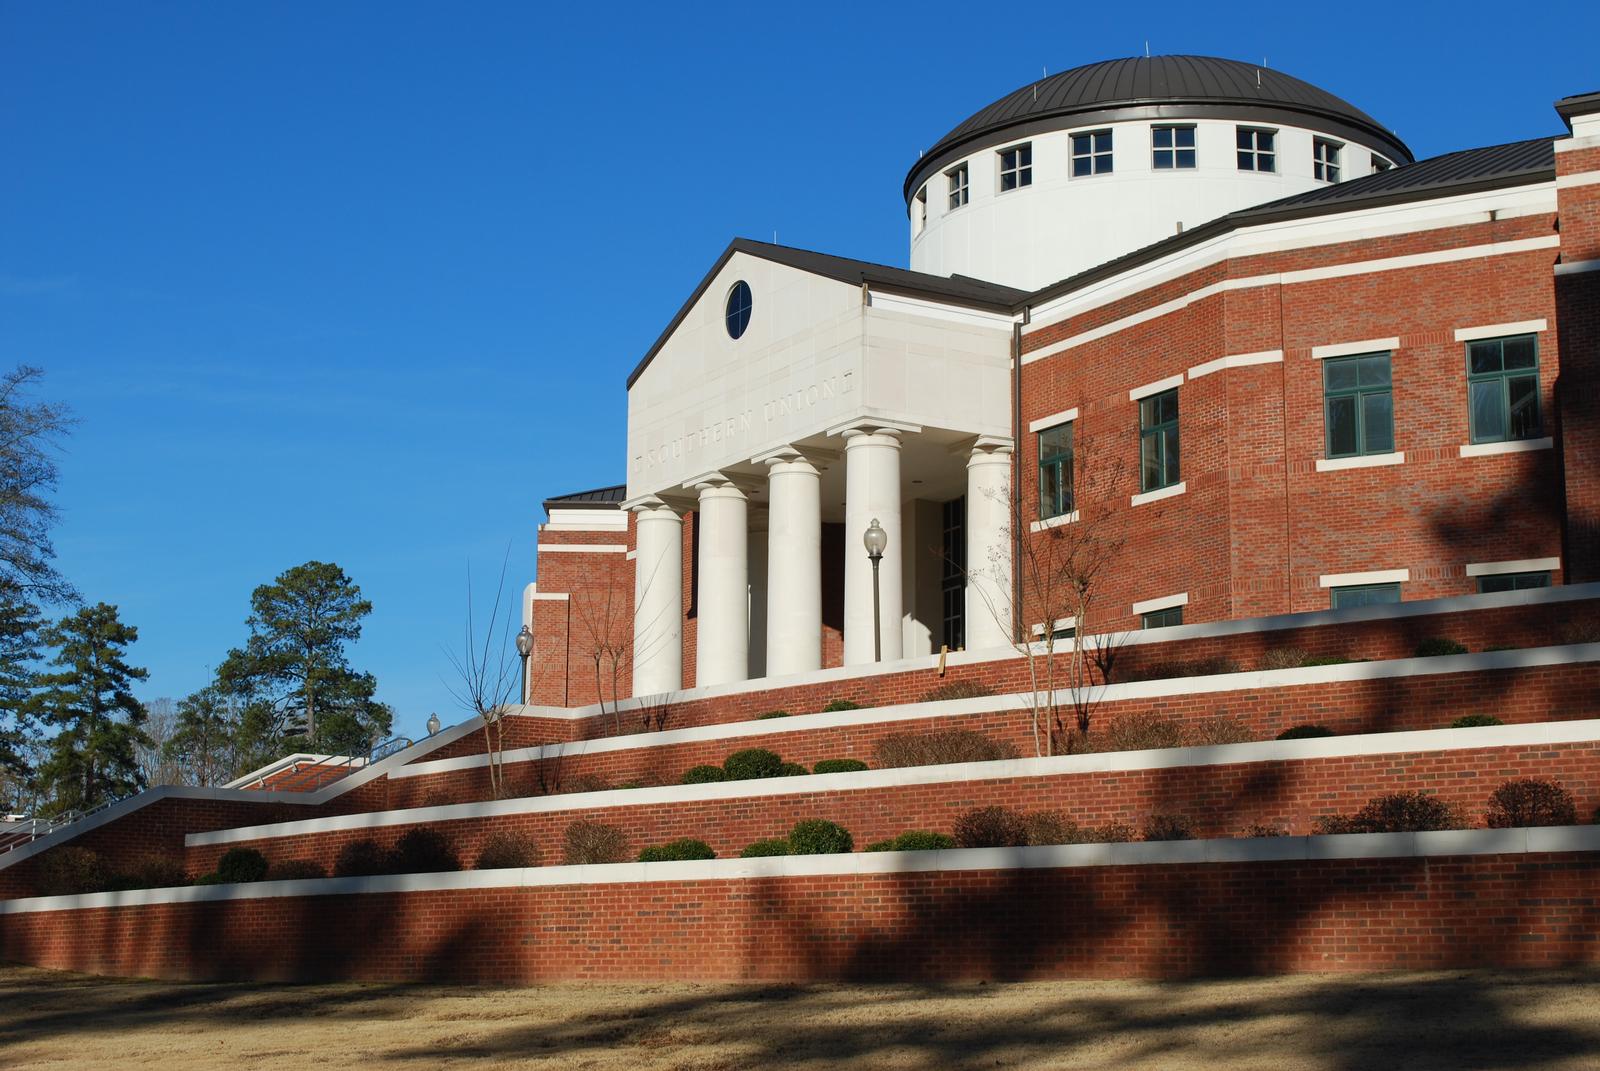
<point x="72" y="734"/>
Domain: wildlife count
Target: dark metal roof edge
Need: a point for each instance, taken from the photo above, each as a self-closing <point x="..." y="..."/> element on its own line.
<point x="1577" y="104"/>
<point x="1267" y="214"/>
<point x="1040" y="122"/>
<point x="575" y="500"/>
<point x="890" y="283"/>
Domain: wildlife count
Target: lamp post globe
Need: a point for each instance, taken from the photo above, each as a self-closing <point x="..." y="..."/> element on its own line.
<point x="876" y="541"/>
<point x="433" y="724"/>
<point x="524" y="649"/>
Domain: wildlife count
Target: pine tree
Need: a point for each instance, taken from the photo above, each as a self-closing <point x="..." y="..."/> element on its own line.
<point x="19" y="649"/>
<point x="92" y="759"/>
<point x="206" y="740"/>
<point x="293" y="676"/>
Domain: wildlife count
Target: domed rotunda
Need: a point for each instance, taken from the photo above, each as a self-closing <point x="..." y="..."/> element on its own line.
<point x="1086" y="165"/>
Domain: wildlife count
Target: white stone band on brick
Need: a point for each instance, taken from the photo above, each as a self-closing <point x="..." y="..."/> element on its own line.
<point x="1524" y="565"/>
<point x="1349" y="349"/>
<point x="1513" y="446"/>
<point x="1370" y="461"/>
<point x="1521" y="327"/>
<point x="1166" y="602"/>
<point x="1155" y="388"/>
<point x="1374" y="576"/>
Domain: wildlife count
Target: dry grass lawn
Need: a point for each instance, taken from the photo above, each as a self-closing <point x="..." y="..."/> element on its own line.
<point x="1328" y="1023"/>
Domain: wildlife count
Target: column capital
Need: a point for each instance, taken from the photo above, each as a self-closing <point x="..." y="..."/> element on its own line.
<point x="873" y="426"/>
<point x="815" y="456"/>
<point x="654" y="504"/>
<point x="718" y="480"/>
<point x="986" y="448"/>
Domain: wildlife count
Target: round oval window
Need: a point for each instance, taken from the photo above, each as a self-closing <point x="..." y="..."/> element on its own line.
<point x="738" y="309"/>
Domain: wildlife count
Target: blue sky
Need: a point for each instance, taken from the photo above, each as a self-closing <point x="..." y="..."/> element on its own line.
<point x="362" y="282"/>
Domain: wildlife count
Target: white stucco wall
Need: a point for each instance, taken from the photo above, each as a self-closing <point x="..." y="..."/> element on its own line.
<point x="1043" y="233"/>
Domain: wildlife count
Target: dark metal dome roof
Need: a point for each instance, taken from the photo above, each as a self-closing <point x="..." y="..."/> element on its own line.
<point x="1199" y="84"/>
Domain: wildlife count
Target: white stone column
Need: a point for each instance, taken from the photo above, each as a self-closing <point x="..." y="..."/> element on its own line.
<point x="658" y="600"/>
<point x="872" y="491"/>
<point x="989" y="544"/>
<point x="722" y="640"/>
<point x="794" y="564"/>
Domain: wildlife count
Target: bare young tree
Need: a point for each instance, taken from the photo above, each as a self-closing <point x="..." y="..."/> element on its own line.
<point x="155" y="758"/>
<point x="603" y="630"/>
<point x="488" y="677"/>
<point x="1058" y="570"/>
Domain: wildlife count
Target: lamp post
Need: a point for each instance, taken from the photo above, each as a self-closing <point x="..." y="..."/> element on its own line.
<point x="433" y="725"/>
<point x="524" y="649"/>
<point x="877" y="541"/>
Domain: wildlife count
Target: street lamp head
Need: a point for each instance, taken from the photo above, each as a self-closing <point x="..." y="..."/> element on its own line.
<point x="876" y="540"/>
<point x="433" y="725"/>
<point x="524" y="642"/>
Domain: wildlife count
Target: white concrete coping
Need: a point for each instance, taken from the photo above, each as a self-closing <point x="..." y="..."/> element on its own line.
<point x="1351" y="349"/>
<point x="1441" y="844"/>
<point x="278" y="766"/>
<point x="1366" y="461"/>
<point x="1538" y="734"/>
<point x="1236" y="360"/>
<point x="1165" y="602"/>
<point x="1157" y="387"/>
<point x="582" y="548"/>
<point x="1066" y="416"/>
<point x="1520" y="327"/>
<point x="1511" y="446"/>
<point x="1159" y="493"/>
<point x="1371" y="576"/>
<point x="1100" y="694"/>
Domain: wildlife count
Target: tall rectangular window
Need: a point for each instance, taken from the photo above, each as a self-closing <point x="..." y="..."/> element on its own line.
<point x="1016" y="167"/>
<point x="1055" y="471"/>
<point x="957" y="178"/>
<point x="1379" y="164"/>
<point x="1257" y="151"/>
<point x="919" y="212"/>
<point x="953" y="581"/>
<point x="1158" y="440"/>
<point x="1172" y="148"/>
<point x="1358" y="401"/>
<point x="1354" y="595"/>
<point x="1503" y="389"/>
<point x="1091" y="153"/>
<point x="1513" y="582"/>
<point x="1325" y="159"/>
<point x="1162" y="618"/>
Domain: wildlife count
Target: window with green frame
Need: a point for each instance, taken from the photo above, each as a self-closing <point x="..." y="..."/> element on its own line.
<point x="1358" y="402"/>
<point x="1158" y="440"/>
<point x="1055" y="471"/>
<point x="1354" y="595"/>
<point x="1172" y="615"/>
<point x="1503" y="389"/>
<point x="1512" y="582"/>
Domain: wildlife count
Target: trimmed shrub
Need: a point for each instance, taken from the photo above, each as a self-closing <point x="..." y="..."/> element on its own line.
<point x="505" y="850"/>
<point x="1284" y="658"/>
<point x="1051" y="827"/>
<point x="296" y="870"/>
<point x="772" y="714"/>
<point x="818" y="836"/>
<point x="835" y="705"/>
<point x="1260" y="830"/>
<point x="704" y="775"/>
<point x="793" y="769"/>
<point x="991" y="827"/>
<point x="1327" y="660"/>
<point x="1436" y="646"/>
<point x="764" y="848"/>
<point x="1335" y="823"/>
<point x="586" y="783"/>
<point x="936" y="749"/>
<point x="594" y="842"/>
<point x="149" y="872"/>
<point x="677" y="851"/>
<point x="1475" y="721"/>
<point x="1530" y="802"/>
<point x="1137" y="732"/>
<point x="1587" y="631"/>
<point x="957" y="690"/>
<point x="424" y="851"/>
<point x="751" y="763"/>
<point x="1306" y="732"/>
<point x="1110" y="833"/>
<point x="1167" y="827"/>
<point x="1195" y="667"/>
<point x="916" y="840"/>
<point x="360" y="859"/>
<point x="839" y="766"/>
<point x="208" y="879"/>
<point x="241" y="865"/>
<point x="1210" y="732"/>
<point x="1396" y="812"/>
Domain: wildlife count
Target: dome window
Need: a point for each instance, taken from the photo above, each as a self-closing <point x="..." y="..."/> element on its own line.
<point x="736" y="313"/>
<point x="1257" y="149"/>
<point x="1172" y="148"/>
<point x="1325" y="159"/>
<point x="957" y="179"/>
<point x="919" y="212"/>
<point x="1016" y="167"/>
<point x="1091" y="153"/>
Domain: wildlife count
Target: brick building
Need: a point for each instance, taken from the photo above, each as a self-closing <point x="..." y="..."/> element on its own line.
<point x="1268" y="363"/>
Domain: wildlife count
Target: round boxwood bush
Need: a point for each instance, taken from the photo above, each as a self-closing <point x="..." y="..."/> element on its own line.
<point x="360" y="859"/>
<point x="839" y="766"/>
<point x="1435" y="646"/>
<point x="424" y="851"/>
<point x="1306" y="732"/>
<point x="241" y="864"/>
<point x="677" y="851"/>
<point x="818" y="836"/>
<point x="772" y="714"/>
<point x="751" y="763"/>
<point x="840" y="704"/>
<point x="1167" y="827"/>
<point x="296" y="870"/>
<point x="793" y="769"/>
<point x="1475" y="721"/>
<point x="1530" y="802"/>
<point x="916" y="840"/>
<point x="149" y="872"/>
<point x="991" y="827"/>
<point x="69" y="869"/>
<point x="703" y="775"/>
<point x="507" y="850"/>
<point x="767" y="847"/>
<point x="589" y="842"/>
<point x="1404" y="812"/>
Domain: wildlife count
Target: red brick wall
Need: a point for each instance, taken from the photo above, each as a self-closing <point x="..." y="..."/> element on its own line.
<point x="1132" y="921"/>
<point x="1258" y="524"/>
<point x="1578" y="307"/>
<point x="1217" y="800"/>
<point x="594" y="621"/>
